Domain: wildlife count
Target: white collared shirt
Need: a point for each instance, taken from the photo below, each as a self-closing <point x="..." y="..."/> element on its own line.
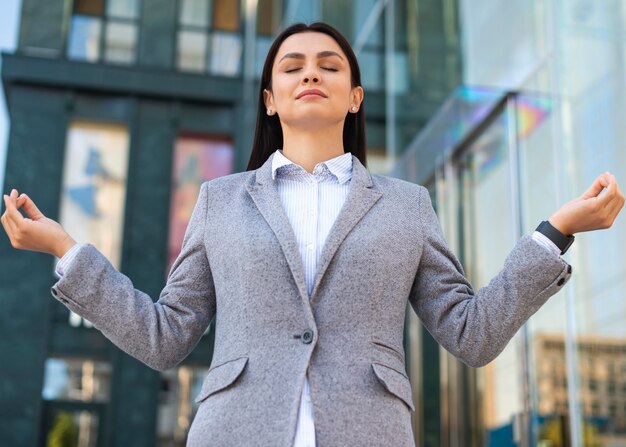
<point x="312" y="202"/>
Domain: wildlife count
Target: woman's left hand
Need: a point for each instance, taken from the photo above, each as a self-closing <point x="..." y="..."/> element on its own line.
<point x="593" y="210"/>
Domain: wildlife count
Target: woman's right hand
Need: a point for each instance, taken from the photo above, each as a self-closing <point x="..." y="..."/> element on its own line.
<point x="35" y="232"/>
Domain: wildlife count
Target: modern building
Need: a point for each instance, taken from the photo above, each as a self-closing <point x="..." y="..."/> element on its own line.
<point x="539" y="116"/>
<point x="118" y="111"/>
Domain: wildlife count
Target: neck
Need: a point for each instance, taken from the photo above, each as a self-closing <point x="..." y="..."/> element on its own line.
<point x="309" y="147"/>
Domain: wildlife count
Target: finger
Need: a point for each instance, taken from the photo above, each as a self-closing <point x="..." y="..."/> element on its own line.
<point x="7" y="223"/>
<point x="31" y="209"/>
<point x="12" y="213"/>
<point x="596" y="187"/>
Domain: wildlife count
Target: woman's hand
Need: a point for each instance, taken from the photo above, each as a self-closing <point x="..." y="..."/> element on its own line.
<point x="35" y="232"/>
<point x="592" y="210"/>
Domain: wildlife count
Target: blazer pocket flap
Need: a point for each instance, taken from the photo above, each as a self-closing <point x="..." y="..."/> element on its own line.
<point x="221" y="376"/>
<point x="395" y="382"/>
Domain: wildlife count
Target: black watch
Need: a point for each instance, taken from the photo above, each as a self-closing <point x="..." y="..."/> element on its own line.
<point x="562" y="241"/>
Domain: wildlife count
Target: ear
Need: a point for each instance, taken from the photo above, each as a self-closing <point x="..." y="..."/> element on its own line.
<point x="268" y="99"/>
<point x="356" y="97"/>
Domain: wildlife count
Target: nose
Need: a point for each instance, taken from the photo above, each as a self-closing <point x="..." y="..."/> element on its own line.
<point x="311" y="77"/>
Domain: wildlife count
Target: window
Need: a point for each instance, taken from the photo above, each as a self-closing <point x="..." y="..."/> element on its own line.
<point x="93" y="191"/>
<point x="71" y="379"/>
<point x="208" y="37"/>
<point x="196" y="159"/>
<point x="268" y="20"/>
<point x="104" y="30"/>
<point x="94" y="185"/>
<point x="75" y="394"/>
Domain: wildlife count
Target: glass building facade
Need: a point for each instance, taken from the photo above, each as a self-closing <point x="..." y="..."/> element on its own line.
<point x="499" y="160"/>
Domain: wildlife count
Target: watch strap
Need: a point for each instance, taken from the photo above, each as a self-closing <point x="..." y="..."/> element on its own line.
<point x="562" y="241"/>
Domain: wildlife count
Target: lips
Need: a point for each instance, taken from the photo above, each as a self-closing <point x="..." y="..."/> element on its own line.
<point x="312" y="91"/>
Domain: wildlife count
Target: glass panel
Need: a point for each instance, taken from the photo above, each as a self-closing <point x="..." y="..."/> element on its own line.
<point x="192" y="49"/>
<point x="263" y="45"/>
<point x="269" y="16"/>
<point x="84" y="38"/>
<point x="362" y="11"/>
<point x="74" y="429"/>
<point x="76" y="380"/>
<point x="194" y="12"/>
<point x="488" y="237"/>
<point x="371" y="64"/>
<point x="592" y="139"/>
<point x="226" y="15"/>
<point x="226" y="51"/>
<point x="126" y="9"/>
<point x="196" y="160"/>
<point x="92" y="7"/>
<point x="120" y="42"/>
<point x="179" y="388"/>
<point x="301" y="11"/>
<point x="94" y="186"/>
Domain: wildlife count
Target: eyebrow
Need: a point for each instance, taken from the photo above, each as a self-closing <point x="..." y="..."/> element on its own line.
<point x="320" y="55"/>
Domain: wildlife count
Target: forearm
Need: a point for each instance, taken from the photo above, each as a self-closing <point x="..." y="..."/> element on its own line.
<point x="159" y="334"/>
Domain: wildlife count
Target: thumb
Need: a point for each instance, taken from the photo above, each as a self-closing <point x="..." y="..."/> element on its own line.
<point x="30" y="208"/>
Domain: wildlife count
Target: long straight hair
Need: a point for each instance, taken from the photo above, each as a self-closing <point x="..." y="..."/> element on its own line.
<point x="268" y="134"/>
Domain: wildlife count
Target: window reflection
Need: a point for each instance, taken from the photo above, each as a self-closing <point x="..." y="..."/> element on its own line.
<point x="94" y="185"/>
<point x="192" y="50"/>
<point x="120" y="42"/>
<point x="115" y="31"/>
<point x="208" y="37"/>
<point x="82" y="380"/>
<point x="226" y="51"/>
<point x="73" y="429"/>
<point x="92" y="7"/>
<point x="127" y="9"/>
<point x="196" y="159"/>
<point x="84" y="38"/>
<point x="194" y="12"/>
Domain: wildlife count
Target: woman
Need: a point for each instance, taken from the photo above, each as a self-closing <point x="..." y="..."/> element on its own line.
<point x="307" y="261"/>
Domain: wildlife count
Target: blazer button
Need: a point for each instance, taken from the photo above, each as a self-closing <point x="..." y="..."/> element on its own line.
<point x="307" y="336"/>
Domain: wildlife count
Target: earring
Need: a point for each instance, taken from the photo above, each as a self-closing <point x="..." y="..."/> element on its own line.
<point x="354" y="109"/>
<point x="269" y="111"/>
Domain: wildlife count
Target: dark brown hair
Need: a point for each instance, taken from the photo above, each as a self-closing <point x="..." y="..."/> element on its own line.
<point x="268" y="135"/>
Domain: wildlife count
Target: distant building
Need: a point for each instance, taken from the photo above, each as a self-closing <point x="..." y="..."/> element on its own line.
<point x="602" y="379"/>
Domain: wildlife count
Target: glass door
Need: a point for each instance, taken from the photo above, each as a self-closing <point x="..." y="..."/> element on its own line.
<point x="478" y="204"/>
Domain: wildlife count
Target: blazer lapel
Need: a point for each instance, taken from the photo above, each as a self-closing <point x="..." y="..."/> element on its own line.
<point x="361" y="198"/>
<point x="265" y="196"/>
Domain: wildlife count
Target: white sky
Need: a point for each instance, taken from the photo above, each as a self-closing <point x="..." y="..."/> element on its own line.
<point x="9" y="21"/>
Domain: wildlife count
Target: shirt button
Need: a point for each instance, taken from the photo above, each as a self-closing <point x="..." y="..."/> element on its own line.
<point x="307" y="336"/>
<point x="310" y="246"/>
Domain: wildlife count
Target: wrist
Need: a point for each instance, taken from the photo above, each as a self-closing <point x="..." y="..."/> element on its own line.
<point x="560" y="225"/>
<point x="64" y="246"/>
<point x="561" y="240"/>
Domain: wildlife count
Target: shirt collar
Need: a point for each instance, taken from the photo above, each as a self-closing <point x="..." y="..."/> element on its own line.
<point x="340" y="166"/>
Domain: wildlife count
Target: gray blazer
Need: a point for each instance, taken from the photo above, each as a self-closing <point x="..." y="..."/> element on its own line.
<point x="240" y="262"/>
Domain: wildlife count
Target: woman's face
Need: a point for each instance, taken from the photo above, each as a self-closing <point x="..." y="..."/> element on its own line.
<point x="311" y="62"/>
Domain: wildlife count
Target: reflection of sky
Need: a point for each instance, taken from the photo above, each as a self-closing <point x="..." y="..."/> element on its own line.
<point x="9" y="18"/>
<point x="56" y="379"/>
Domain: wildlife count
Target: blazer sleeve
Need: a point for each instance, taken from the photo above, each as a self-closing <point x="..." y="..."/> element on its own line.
<point x="159" y="334"/>
<point x="475" y="327"/>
